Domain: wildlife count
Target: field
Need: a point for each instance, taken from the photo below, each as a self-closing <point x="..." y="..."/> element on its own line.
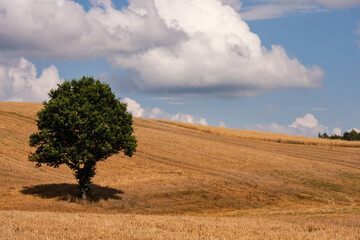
<point x="184" y="181"/>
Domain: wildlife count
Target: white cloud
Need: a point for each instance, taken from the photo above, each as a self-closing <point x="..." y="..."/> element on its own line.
<point x="304" y="126"/>
<point x="157" y="113"/>
<point x="19" y="81"/>
<point x="220" y="56"/>
<point x="337" y="131"/>
<point x="272" y="127"/>
<point x="267" y="9"/>
<point x="222" y="124"/>
<point x="134" y="107"/>
<point x="276" y="10"/>
<point x="356" y="129"/>
<point x="308" y="121"/>
<point x="62" y="29"/>
<point x="170" y="47"/>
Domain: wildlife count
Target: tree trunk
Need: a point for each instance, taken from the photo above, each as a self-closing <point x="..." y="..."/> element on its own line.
<point x="83" y="194"/>
<point x="84" y="176"/>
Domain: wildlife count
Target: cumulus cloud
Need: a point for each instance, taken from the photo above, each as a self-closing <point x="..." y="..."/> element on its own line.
<point x="272" y="127"/>
<point x="307" y="126"/>
<point x="281" y="8"/>
<point x="303" y="126"/>
<point x="19" y="81"/>
<point x="220" y="56"/>
<point x="157" y="113"/>
<point x="63" y="30"/>
<point x="337" y="131"/>
<point x="307" y="121"/>
<point x="355" y="129"/>
<point x="134" y="107"/>
<point x="169" y="47"/>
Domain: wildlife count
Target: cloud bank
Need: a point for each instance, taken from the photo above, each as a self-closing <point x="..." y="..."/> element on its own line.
<point x="307" y="126"/>
<point x="168" y="47"/>
<point x="63" y="30"/>
<point x="355" y="129"/>
<point x="303" y="126"/>
<point x="156" y="113"/>
<point x="220" y="56"/>
<point x="337" y="131"/>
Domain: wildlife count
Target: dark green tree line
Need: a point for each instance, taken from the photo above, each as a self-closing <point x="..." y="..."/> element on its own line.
<point x="349" y="136"/>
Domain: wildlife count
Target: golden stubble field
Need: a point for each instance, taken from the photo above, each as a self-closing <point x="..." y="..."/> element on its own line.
<point x="184" y="182"/>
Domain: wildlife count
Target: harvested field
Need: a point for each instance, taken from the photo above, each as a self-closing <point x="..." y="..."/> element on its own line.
<point x="264" y="136"/>
<point x="188" y="171"/>
<point x="34" y="225"/>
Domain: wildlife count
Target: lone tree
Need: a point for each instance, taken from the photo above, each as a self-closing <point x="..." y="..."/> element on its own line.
<point x="81" y="124"/>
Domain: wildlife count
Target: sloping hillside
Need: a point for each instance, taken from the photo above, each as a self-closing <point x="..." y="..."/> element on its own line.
<point x="179" y="170"/>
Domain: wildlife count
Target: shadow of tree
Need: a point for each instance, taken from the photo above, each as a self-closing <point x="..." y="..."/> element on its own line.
<point x="66" y="192"/>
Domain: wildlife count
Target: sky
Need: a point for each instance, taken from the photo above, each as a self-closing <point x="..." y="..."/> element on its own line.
<point x="280" y="66"/>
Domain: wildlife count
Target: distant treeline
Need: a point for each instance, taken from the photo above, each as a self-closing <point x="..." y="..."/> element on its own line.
<point x="349" y="136"/>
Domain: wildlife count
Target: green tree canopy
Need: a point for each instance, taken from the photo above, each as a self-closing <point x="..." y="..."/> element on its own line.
<point x="349" y="136"/>
<point x="81" y="124"/>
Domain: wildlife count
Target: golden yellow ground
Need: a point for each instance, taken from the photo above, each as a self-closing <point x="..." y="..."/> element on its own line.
<point x="50" y="225"/>
<point x="181" y="169"/>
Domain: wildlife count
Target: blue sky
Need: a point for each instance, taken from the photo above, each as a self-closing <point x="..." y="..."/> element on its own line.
<point x="202" y="61"/>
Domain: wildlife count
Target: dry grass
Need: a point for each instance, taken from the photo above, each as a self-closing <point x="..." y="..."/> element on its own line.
<point x="182" y="171"/>
<point x="263" y="136"/>
<point x="31" y="225"/>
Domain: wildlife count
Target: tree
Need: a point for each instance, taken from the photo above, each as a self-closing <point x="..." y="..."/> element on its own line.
<point x="323" y="135"/>
<point x="82" y="123"/>
<point x="352" y="136"/>
<point x="349" y="136"/>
